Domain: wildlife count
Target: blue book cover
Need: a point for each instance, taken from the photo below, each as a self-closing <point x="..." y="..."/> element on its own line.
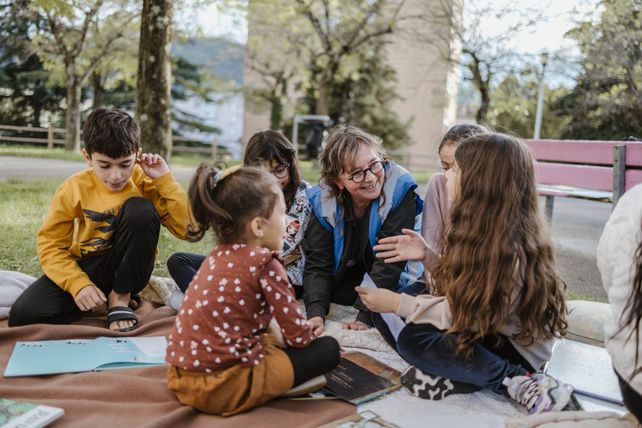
<point x="82" y="355"/>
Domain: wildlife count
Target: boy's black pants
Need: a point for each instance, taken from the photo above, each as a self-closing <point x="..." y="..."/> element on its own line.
<point x="124" y="268"/>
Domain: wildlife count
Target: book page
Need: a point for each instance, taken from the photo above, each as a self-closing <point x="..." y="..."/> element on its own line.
<point x="153" y="347"/>
<point x="394" y="321"/>
<point x="588" y="368"/>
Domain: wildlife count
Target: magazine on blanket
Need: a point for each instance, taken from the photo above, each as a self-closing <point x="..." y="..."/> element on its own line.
<point x="588" y="368"/>
<point x="360" y="378"/>
<point x="82" y="355"/>
<point x="19" y="414"/>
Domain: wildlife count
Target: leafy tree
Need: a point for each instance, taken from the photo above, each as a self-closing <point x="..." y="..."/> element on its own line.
<point x="364" y="96"/>
<point x="515" y="101"/>
<point x="606" y="103"/>
<point x="24" y="94"/>
<point x="79" y="35"/>
<point x="486" y="54"/>
<point x="324" y="51"/>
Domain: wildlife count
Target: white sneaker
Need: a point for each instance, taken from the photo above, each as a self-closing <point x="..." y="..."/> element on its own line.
<point x="538" y="392"/>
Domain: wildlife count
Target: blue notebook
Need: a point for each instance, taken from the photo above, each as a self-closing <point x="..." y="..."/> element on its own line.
<point x="83" y="355"/>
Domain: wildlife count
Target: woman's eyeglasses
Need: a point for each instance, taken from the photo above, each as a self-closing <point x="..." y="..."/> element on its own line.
<point x="281" y="171"/>
<point x="375" y="168"/>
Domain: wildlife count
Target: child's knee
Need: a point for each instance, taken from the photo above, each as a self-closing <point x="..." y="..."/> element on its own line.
<point x="138" y="207"/>
<point x="20" y="314"/>
<point x="329" y="351"/>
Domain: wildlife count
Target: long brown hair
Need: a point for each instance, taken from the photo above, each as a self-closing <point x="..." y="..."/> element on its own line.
<point x="226" y="201"/>
<point x="497" y="253"/>
<point x="272" y="145"/>
<point x="340" y="151"/>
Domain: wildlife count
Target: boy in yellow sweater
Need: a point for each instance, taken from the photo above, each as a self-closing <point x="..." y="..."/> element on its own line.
<point x="98" y="241"/>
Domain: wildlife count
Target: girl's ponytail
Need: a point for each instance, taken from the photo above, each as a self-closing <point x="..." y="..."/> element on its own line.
<point x="224" y="199"/>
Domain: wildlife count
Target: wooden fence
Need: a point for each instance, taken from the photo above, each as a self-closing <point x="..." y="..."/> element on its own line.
<point x="52" y="137"/>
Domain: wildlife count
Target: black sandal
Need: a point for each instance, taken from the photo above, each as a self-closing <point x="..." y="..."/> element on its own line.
<point x="122" y="313"/>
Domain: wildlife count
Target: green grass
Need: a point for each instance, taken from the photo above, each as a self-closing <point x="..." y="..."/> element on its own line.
<point x="23" y="206"/>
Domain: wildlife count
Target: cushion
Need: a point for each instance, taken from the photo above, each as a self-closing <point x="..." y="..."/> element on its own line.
<point x="12" y="284"/>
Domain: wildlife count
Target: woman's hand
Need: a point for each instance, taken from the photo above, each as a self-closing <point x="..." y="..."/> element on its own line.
<point x="379" y="299"/>
<point x="409" y="246"/>
<point x="317" y="325"/>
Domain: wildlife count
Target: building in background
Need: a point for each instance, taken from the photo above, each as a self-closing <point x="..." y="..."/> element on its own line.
<point x="426" y="83"/>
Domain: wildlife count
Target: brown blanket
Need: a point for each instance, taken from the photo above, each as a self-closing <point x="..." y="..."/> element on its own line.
<point x="137" y="397"/>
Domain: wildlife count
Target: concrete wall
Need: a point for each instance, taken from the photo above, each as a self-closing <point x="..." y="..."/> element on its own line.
<point x="427" y="85"/>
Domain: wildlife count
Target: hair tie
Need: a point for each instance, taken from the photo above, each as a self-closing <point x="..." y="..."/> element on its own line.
<point x="220" y="175"/>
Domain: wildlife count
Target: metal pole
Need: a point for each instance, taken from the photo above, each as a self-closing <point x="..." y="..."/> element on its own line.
<point x="540" y="99"/>
<point x="619" y="168"/>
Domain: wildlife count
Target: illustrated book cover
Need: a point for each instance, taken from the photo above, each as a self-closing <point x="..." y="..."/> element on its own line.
<point x="19" y="414"/>
<point x="82" y="355"/>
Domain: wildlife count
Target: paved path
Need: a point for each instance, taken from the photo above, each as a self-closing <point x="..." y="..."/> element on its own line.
<point x="577" y="224"/>
<point x="37" y="168"/>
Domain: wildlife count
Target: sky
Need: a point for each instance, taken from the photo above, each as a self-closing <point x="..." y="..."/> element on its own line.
<point x="559" y="16"/>
<point x="547" y="35"/>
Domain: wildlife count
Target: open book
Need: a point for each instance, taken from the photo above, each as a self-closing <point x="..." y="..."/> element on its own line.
<point x="82" y="355"/>
<point x="18" y="414"/>
<point x="360" y="378"/>
<point x="588" y="368"/>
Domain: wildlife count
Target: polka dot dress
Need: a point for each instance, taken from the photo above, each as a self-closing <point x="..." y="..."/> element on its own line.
<point x="229" y="304"/>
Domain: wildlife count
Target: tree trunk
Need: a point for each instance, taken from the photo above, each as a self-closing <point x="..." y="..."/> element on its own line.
<point x="154" y="77"/>
<point x="97" y="84"/>
<point x="323" y="102"/>
<point x="72" y="140"/>
<point x="484" y="93"/>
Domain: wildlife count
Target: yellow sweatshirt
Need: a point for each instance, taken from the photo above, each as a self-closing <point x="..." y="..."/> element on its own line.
<point x="83" y="196"/>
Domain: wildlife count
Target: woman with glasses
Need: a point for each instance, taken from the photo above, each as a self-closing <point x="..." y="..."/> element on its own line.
<point x="361" y="197"/>
<point x="272" y="151"/>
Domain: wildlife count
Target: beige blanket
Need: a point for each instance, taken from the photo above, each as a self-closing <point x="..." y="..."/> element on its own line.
<point x="137" y="397"/>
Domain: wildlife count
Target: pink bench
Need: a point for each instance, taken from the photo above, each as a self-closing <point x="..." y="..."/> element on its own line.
<point x="595" y="170"/>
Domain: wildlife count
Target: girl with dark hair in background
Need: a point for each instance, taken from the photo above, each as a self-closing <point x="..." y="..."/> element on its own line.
<point x="272" y="151"/>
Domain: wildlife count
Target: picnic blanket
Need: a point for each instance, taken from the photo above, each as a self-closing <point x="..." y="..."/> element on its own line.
<point x="482" y="409"/>
<point x="137" y="397"/>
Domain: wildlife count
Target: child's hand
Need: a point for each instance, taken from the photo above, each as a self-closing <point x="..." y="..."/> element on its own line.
<point x="409" y="246"/>
<point x="317" y="325"/>
<point x="153" y="164"/>
<point x="89" y="297"/>
<point x="379" y="299"/>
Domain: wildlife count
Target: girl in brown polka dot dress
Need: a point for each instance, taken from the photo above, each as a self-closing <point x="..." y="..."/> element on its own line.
<point x="223" y="360"/>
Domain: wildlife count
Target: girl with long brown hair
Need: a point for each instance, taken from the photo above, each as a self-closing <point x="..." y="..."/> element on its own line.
<point x="619" y="258"/>
<point x="499" y="302"/>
